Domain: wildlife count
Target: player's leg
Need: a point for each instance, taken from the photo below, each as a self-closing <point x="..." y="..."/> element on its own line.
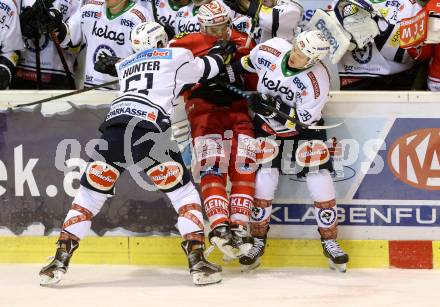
<point x="321" y="188"/>
<point x="97" y="183"/>
<point x="170" y="175"/>
<point x="269" y="156"/>
<point x="242" y="172"/>
<point x="211" y="165"/>
<point x="314" y="157"/>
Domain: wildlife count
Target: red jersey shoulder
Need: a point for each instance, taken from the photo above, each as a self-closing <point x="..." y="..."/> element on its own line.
<point x="198" y="43"/>
<point x="240" y="38"/>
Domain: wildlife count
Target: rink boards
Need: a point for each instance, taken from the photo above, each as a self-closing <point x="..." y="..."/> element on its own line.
<point x="387" y="182"/>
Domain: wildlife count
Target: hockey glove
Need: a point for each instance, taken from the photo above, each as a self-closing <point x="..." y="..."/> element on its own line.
<point x="51" y="20"/>
<point x="106" y="65"/>
<point x="224" y="48"/>
<point x="261" y="102"/>
<point x="5" y="78"/>
<point x="28" y="23"/>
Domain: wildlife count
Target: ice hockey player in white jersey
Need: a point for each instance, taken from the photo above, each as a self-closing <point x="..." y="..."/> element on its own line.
<point x="41" y="64"/>
<point x="381" y="64"/>
<point x="104" y="28"/>
<point x="10" y="41"/>
<point x="138" y="133"/>
<point x="293" y="80"/>
<point x="277" y="18"/>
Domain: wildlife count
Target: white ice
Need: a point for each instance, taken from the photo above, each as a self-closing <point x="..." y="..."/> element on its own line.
<point x="126" y="286"/>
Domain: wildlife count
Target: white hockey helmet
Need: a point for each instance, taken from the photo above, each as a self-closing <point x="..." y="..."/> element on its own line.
<point x="214" y="19"/>
<point x="312" y="44"/>
<point x="148" y="35"/>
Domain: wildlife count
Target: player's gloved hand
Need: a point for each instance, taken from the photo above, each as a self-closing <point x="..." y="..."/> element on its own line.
<point x="51" y="20"/>
<point x="106" y="65"/>
<point x="228" y="75"/>
<point x="28" y="23"/>
<point x="224" y="48"/>
<point x="260" y="102"/>
<point x="5" y="78"/>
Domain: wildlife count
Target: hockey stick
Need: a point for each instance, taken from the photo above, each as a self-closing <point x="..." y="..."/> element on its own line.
<point x="248" y="95"/>
<point x="67" y="94"/>
<point x="254" y="22"/>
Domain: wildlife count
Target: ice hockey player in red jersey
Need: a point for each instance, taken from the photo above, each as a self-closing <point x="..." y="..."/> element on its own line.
<point x="223" y="137"/>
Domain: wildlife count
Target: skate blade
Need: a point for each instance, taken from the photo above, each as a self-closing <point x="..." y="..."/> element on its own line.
<point x="227" y="250"/>
<point x="201" y="279"/>
<point x="250" y="267"/>
<point x="46" y="280"/>
<point x="342" y="268"/>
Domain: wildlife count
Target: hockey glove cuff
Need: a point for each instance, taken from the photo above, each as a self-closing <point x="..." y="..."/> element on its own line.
<point x="224" y="48"/>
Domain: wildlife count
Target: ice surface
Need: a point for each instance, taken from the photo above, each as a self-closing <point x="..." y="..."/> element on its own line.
<point x="126" y="286"/>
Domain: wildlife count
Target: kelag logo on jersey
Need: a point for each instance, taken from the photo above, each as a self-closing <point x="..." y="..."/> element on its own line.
<point x="275" y="86"/>
<point x="189" y="27"/>
<point x="119" y="38"/>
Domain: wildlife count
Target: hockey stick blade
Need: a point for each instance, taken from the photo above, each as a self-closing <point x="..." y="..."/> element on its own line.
<point x="248" y="95"/>
<point x="67" y="94"/>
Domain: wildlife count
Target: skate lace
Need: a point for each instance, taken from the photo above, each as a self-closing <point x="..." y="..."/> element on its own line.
<point x="257" y="248"/>
<point x="333" y="248"/>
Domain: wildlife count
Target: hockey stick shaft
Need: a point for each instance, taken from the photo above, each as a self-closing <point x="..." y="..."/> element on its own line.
<point x="248" y="96"/>
<point x="68" y="94"/>
<point x="69" y="75"/>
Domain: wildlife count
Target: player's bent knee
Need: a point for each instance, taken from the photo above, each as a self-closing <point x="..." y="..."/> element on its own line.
<point x="168" y="176"/>
<point x="89" y="199"/>
<point x="100" y="177"/>
<point x="320" y="185"/>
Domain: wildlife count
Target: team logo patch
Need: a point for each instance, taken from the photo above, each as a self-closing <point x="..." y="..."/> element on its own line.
<point x="166" y="175"/>
<point x="327" y="216"/>
<point x="101" y="175"/>
<point x="414" y="159"/>
<point x="315" y="84"/>
<point x="101" y="50"/>
<point x="363" y="56"/>
<point x="258" y="214"/>
<point x="267" y="150"/>
<point x="312" y="153"/>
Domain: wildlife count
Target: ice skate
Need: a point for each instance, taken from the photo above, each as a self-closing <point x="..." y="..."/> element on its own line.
<point x="251" y="260"/>
<point x="221" y="237"/>
<point x="337" y="258"/>
<point x="52" y="273"/>
<point x="241" y="239"/>
<point x="202" y="271"/>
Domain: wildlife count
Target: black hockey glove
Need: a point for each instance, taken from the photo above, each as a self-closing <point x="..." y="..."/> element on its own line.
<point x="106" y="65"/>
<point x="29" y="23"/>
<point x="259" y="103"/>
<point x="5" y="78"/>
<point x="51" y="20"/>
<point x="224" y="48"/>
